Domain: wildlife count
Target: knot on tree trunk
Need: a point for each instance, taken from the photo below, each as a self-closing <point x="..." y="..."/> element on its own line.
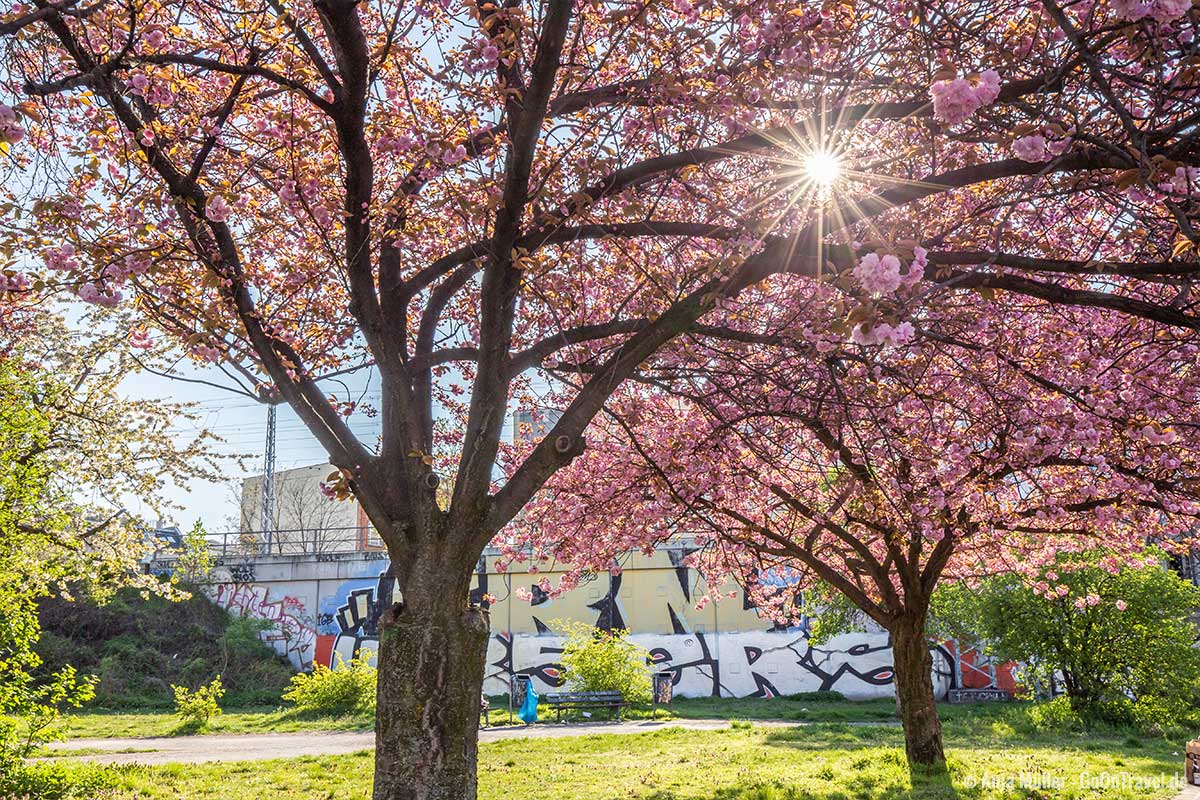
<point x="477" y="619"/>
<point x="391" y="615"/>
<point x="569" y="447"/>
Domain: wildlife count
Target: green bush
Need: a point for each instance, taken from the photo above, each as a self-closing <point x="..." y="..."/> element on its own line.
<point x="32" y="699"/>
<point x="605" y="661"/>
<point x="1118" y="639"/>
<point x="55" y="782"/>
<point x="347" y="688"/>
<point x="199" y="706"/>
<point x="1055" y="716"/>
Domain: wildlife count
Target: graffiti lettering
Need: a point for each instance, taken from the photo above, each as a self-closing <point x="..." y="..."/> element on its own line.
<point x="291" y="633"/>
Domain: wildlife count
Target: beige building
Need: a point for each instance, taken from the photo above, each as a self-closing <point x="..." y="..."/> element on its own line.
<point x="303" y="518"/>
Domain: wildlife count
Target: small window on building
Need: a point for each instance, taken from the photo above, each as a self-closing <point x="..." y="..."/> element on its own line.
<point x="374" y="540"/>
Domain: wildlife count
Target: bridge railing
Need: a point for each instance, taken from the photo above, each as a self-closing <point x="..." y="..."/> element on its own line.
<point x="297" y="541"/>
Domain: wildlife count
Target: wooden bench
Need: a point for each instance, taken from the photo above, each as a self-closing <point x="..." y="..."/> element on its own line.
<point x="575" y="701"/>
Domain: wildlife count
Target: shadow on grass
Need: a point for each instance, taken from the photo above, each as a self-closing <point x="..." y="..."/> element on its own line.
<point x="190" y="727"/>
<point x="356" y="719"/>
<point x="933" y="780"/>
<point x="923" y="788"/>
<point x="986" y="733"/>
<point x="830" y="736"/>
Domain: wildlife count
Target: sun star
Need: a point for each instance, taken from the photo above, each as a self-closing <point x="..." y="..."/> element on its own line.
<point x="822" y="168"/>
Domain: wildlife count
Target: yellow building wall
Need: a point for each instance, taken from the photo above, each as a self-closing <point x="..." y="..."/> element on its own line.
<point x="651" y="594"/>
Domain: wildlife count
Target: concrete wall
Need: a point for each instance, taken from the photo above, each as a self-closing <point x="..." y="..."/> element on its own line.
<point x="328" y="605"/>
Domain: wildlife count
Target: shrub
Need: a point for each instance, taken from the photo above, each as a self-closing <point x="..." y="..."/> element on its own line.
<point x="1055" y="716"/>
<point x="198" y="707"/>
<point x="347" y="688"/>
<point x="56" y="782"/>
<point x="31" y="699"/>
<point x="605" y="661"/>
<point x="1119" y="637"/>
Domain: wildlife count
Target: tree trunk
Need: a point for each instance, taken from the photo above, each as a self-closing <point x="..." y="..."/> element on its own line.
<point x="431" y="662"/>
<point x="914" y="690"/>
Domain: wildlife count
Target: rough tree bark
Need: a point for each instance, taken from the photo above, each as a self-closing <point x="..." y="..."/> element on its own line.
<point x="432" y="650"/>
<point x="914" y="689"/>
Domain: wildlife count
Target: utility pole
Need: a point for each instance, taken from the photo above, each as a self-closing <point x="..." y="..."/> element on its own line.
<point x="268" y="481"/>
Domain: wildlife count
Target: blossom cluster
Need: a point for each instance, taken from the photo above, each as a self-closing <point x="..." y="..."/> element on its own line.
<point x="62" y="258"/>
<point x="880" y="274"/>
<point x="1036" y="148"/>
<point x="11" y="131"/>
<point x="1157" y="10"/>
<point x="100" y="295"/>
<point x="18" y="282"/>
<point x="883" y="333"/>
<point x="956" y="99"/>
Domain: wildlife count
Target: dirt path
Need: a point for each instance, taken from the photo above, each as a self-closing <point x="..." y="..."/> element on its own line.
<point x="254" y="747"/>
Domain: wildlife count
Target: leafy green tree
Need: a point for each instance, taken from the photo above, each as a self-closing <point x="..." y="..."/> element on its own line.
<point x="596" y="660"/>
<point x="195" y="562"/>
<point x="1115" y="634"/>
<point x="67" y="433"/>
<point x="28" y="707"/>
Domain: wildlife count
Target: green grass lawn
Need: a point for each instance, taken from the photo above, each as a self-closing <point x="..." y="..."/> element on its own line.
<point x="818" y="762"/>
<point x="788" y="708"/>
<point x="105" y="724"/>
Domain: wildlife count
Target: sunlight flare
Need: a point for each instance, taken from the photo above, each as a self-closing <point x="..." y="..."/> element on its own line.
<point x="823" y="168"/>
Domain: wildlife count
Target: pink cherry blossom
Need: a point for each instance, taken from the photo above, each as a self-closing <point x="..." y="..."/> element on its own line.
<point x="62" y="258"/>
<point x="1159" y="10"/>
<point x="956" y="99"/>
<point x="217" y="209"/>
<point x="11" y="131"/>
<point x="17" y="282"/>
<point x="1030" y="148"/>
<point x="878" y="274"/>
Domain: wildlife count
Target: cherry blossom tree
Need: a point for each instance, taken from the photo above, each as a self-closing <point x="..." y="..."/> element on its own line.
<point x="961" y="447"/>
<point x="471" y="195"/>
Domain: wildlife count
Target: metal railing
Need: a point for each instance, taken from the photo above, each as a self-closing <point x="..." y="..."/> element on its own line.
<point x="289" y="542"/>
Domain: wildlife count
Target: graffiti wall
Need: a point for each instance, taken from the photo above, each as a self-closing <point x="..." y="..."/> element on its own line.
<point x="729" y="664"/>
<point x="292" y="632"/>
<point x="332" y="611"/>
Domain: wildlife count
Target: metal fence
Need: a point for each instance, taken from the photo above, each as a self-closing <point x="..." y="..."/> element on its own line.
<point x="302" y="541"/>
